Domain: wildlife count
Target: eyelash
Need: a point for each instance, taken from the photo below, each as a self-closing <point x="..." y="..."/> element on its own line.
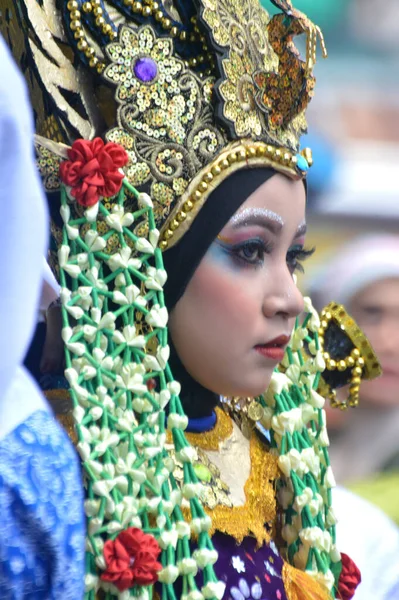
<point x="298" y="256"/>
<point x="295" y="255"/>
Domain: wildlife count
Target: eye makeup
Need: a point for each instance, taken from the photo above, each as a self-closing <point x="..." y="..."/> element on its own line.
<point x="248" y="253"/>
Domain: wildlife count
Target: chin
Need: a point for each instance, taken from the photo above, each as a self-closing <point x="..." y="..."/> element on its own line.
<point x="255" y="386"/>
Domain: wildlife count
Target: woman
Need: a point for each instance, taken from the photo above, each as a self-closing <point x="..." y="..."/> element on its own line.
<point x="196" y="206"/>
<point x="369" y="287"/>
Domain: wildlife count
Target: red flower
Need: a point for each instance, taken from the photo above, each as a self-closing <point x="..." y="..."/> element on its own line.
<point x="349" y="579"/>
<point x="131" y="559"/>
<point x="92" y="170"/>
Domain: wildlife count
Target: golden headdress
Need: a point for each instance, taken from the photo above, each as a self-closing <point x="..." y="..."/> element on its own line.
<point x="192" y="90"/>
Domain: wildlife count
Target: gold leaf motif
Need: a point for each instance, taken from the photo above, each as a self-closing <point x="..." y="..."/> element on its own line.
<point x="265" y="86"/>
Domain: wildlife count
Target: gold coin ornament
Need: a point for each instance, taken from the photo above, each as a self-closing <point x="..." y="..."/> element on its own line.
<point x="255" y="411"/>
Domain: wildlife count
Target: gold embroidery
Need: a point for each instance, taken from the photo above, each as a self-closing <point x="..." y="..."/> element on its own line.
<point x="68" y="424"/>
<point x="48" y="164"/>
<point x="235" y="156"/>
<point x="210" y="440"/>
<point x="265" y="85"/>
<point x="260" y="506"/>
<point x="165" y="124"/>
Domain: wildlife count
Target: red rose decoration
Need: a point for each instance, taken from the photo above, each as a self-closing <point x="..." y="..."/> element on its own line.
<point x="93" y="170"/>
<point x="349" y="579"/>
<point x="131" y="559"/>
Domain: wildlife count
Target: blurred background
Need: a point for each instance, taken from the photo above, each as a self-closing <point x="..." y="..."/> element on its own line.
<point x="354" y="191"/>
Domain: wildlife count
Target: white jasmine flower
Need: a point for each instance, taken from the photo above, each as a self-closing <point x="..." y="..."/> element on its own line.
<point x="168" y="538"/>
<point x="288" y="421"/>
<point x="329" y="479"/>
<point x="177" y="421"/>
<point x="157" y="317"/>
<point x="187" y="454"/>
<point x="144" y="200"/>
<point x="94" y="241"/>
<point x="213" y="590"/>
<point x="188" y="566"/>
<point x="303" y="500"/>
<point x="205" y="557"/>
<point x="118" y="219"/>
<point x="168" y="574"/>
<point x="143" y="245"/>
<point x="183" y="529"/>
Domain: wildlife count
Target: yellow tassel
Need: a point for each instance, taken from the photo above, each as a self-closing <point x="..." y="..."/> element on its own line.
<point x="301" y="586"/>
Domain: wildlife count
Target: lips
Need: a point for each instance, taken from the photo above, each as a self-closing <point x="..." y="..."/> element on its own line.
<point x="275" y="349"/>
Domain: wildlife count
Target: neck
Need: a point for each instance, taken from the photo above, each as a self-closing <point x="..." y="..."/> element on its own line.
<point x="197" y="401"/>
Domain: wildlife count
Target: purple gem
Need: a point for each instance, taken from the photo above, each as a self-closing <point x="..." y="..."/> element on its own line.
<point x="145" y="69"/>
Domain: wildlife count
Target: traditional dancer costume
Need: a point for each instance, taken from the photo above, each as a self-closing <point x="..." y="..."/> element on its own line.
<point x="197" y="104"/>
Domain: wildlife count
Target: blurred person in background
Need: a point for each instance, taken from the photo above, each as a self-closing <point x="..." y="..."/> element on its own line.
<point x="364" y="276"/>
<point x="41" y="497"/>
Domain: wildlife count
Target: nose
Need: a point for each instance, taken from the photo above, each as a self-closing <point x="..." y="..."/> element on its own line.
<point x="282" y="296"/>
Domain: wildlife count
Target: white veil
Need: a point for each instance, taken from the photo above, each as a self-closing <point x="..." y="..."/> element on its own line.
<point x="23" y="237"/>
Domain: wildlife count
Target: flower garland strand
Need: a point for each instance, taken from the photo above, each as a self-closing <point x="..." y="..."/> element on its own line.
<point x="293" y="411"/>
<point x="120" y="390"/>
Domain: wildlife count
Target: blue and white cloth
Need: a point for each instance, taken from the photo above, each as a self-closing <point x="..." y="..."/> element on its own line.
<point x="41" y="508"/>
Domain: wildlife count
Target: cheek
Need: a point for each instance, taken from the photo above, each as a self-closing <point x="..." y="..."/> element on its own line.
<point x="381" y="392"/>
<point x="226" y="298"/>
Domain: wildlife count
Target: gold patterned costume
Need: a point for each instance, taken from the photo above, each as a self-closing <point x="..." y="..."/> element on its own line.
<point x="183" y="94"/>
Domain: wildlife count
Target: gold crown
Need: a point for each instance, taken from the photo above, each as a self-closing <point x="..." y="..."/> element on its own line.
<point x="192" y="90"/>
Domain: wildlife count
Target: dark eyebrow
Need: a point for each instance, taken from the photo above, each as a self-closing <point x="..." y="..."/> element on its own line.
<point x="271" y="221"/>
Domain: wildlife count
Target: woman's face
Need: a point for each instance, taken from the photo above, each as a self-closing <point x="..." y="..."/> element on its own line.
<point x="232" y="324"/>
<point x="376" y="311"/>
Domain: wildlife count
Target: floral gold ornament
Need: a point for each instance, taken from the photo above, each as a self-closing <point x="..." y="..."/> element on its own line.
<point x="165" y="122"/>
<point x="264" y="85"/>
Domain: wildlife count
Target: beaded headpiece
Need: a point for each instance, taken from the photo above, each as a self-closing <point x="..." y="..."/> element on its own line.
<point x="192" y="90"/>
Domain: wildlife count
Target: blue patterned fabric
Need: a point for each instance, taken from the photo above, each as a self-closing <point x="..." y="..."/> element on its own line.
<point x="41" y="513"/>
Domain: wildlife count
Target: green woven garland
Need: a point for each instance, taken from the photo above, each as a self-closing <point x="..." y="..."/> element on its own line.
<point x="120" y="391"/>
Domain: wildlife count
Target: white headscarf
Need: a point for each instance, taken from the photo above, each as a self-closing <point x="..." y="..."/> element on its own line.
<point x="23" y="237"/>
<point x="358" y="264"/>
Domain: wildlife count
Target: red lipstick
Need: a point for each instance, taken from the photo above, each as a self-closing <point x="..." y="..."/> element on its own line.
<point x="275" y="349"/>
